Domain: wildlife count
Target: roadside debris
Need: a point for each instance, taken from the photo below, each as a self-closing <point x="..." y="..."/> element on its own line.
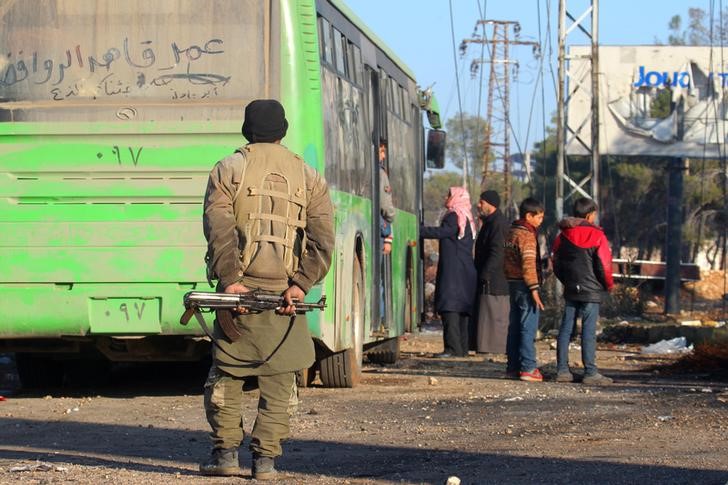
<point x="677" y="345"/>
<point x="710" y="358"/>
<point x="691" y="323"/>
<point x="452" y="481"/>
<point x="703" y="323"/>
<point x="38" y="466"/>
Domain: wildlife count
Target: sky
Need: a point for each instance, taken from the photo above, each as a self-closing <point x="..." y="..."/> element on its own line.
<point x="419" y="31"/>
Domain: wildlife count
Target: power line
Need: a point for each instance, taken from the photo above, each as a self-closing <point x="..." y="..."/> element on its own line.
<point x="460" y="103"/>
<point x="551" y="47"/>
<point x="539" y="80"/>
<point x="482" y="12"/>
<point x="543" y="103"/>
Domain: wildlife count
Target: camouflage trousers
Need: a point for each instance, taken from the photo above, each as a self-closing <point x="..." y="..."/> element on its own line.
<point x="223" y="406"/>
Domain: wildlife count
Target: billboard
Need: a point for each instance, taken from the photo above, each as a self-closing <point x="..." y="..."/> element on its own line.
<point x="654" y="100"/>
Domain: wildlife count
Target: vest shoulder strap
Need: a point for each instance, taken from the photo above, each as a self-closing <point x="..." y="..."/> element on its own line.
<point x="239" y="170"/>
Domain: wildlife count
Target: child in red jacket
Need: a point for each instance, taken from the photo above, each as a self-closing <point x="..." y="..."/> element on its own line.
<point x="583" y="264"/>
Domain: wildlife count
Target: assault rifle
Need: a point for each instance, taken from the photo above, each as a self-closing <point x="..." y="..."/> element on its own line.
<point x="223" y="305"/>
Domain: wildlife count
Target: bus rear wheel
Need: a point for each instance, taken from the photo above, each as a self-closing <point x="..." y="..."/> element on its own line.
<point x="343" y="369"/>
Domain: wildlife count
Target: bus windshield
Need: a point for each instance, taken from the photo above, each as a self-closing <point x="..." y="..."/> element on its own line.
<point x="105" y="60"/>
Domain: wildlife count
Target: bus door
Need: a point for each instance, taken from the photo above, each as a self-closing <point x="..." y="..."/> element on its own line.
<point x="382" y="266"/>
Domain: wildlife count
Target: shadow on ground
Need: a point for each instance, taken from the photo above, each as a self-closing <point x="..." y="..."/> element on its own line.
<point x="66" y="442"/>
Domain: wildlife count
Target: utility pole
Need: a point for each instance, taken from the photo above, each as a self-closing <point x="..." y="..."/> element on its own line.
<point x="673" y="242"/>
<point x="584" y="132"/>
<point x="498" y="125"/>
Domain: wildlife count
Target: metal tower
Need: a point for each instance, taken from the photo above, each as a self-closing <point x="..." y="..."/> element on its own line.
<point x="498" y="126"/>
<point x="584" y="132"/>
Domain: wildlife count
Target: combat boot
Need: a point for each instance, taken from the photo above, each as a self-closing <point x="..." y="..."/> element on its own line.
<point x="222" y="462"/>
<point x="264" y="467"/>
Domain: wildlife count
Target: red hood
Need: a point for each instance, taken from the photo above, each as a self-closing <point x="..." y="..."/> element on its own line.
<point x="580" y="232"/>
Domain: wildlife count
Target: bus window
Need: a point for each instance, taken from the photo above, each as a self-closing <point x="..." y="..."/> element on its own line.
<point x="340" y="52"/>
<point x="351" y="66"/>
<point x="325" y="41"/>
<point x="358" y="66"/>
<point x="392" y="95"/>
<point x="405" y="104"/>
<point x="396" y="98"/>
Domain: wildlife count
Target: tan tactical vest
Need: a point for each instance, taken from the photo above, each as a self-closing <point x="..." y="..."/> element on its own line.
<point x="270" y="210"/>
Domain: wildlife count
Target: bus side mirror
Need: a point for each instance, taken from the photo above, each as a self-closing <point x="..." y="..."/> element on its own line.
<point x="435" y="149"/>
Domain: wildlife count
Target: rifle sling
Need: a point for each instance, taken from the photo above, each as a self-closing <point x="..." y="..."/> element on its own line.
<point x="249" y="363"/>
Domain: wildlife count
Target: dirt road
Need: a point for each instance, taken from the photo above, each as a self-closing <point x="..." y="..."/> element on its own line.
<point x="419" y="421"/>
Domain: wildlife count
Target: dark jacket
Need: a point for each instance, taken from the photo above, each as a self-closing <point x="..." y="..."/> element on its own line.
<point x="583" y="260"/>
<point x="456" y="275"/>
<point x="489" y="254"/>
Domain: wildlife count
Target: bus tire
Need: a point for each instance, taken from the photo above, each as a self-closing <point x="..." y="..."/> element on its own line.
<point x="340" y="370"/>
<point x="385" y="352"/>
<point x="343" y="368"/>
<point x="38" y="371"/>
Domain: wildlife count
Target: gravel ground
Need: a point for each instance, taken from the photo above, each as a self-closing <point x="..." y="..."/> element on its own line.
<point x="419" y="421"/>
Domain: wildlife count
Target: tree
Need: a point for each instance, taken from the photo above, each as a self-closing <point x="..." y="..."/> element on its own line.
<point x="465" y="140"/>
<point x="698" y="30"/>
<point x="706" y="208"/>
<point x="436" y="188"/>
<point x="706" y="211"/>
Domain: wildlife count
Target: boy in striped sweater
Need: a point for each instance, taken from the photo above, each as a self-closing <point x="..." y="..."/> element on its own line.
<point x="522" y="267"/>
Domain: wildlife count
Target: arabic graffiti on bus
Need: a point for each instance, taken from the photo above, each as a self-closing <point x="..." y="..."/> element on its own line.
<point x="137" y="60"/>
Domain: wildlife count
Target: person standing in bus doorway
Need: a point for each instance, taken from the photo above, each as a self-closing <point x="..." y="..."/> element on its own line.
<point x="268" y="220"/>
<point x="386" y="204"/>
<point x="492" y="299"/>
<point x="386" y="218"/>
<point x="456" y="276"/>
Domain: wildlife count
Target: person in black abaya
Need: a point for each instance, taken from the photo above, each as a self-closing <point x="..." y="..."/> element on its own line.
<point x="455" y="286"/>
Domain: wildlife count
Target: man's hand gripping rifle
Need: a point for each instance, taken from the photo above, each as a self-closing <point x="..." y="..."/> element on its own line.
<point x="224" y="304"/>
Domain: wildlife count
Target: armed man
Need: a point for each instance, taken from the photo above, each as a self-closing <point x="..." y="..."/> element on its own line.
<point x="268" y="220"/>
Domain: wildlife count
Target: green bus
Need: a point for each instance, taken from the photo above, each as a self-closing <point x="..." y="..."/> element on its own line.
<point x="111" y="116"/>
